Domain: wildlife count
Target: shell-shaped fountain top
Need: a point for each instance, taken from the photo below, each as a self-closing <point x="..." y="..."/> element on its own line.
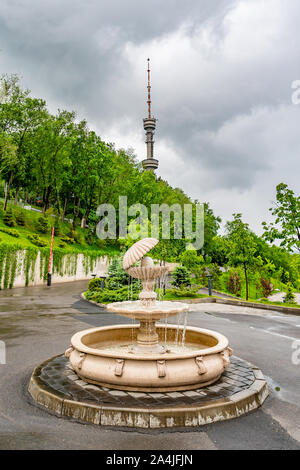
<point x="137" y="251"/>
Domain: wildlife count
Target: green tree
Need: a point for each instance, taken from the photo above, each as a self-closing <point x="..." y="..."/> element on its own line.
<point x="181" y="277"/>
<point x="20" y="116"/>
<point x="286" y="228"/>
<point x="241" y="246"/>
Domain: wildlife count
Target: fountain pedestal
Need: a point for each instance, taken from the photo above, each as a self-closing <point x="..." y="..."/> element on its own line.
<point x="147" y="339"/>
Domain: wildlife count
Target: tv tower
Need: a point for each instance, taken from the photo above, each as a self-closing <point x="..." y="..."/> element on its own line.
<point x="149" y="125"/>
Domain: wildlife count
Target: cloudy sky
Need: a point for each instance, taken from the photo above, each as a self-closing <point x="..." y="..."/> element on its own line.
<point x="222" y="72"/>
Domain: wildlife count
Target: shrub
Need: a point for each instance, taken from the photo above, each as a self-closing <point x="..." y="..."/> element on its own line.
<point x="107" y="295"/>
<point x="289" y="297"/>
<point x="95" y="284"/>
<point x="71" y="233"/>
<point x="8" y="218"/>
<point x="89" y="237"/>
<point x="62" y="244"/>
<point x="117" y="276"/>
<point x="100" y="243"/>
<point x="10" y="231"/>
<point x="20" y="218"/>
<point x="267" y="287"/>
<point x="68" y="240"/>
<point x="42" y="224"/>
<point x="36" y="240"/>
<point x="182" y="292"/>
<point x="181" y="277"/>
<point x="79" y="238"/>
<point x="234" y="283"/>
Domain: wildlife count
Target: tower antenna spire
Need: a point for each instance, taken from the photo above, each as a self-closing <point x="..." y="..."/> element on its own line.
<point x="150" y="163"/>
<point x="149" y="88"/>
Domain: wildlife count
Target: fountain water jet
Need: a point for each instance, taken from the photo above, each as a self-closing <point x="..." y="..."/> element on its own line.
<point x="155" y="362"/>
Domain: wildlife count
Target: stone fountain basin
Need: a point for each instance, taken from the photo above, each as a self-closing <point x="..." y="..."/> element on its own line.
<point x="93" y="360"/>
<point x="147" y="272"/>
<point x="156" y="311"/>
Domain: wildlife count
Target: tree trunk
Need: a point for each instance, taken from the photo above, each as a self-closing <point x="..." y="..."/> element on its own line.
<point x="8" y="191"/>
<point x="58" y="203"/>
<point x="75" y="213"/>
<point x="64" y="210"/>
<point x="246" y="279"/>
<point x="46" y="203"/>
<point x="16" y="196"/>
<point x="84" y="218"/>
<point x="83" y="222"/>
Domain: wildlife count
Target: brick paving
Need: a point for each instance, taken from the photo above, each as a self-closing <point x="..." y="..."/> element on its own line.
<point x="58" y="375"/>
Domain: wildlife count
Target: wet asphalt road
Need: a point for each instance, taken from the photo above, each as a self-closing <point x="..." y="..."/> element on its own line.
<point x="37" y="323"/>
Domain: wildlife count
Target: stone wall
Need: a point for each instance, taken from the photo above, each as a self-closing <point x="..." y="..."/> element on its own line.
<point x="73" y="269"/>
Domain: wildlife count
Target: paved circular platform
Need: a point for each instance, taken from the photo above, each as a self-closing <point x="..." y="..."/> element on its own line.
<point x="55" y="386"/>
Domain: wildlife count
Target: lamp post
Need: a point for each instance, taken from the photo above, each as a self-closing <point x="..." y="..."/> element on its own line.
<point x="209" y="282"/>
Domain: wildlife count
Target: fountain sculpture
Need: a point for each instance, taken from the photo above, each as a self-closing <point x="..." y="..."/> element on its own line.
<point x="148" y="357"/>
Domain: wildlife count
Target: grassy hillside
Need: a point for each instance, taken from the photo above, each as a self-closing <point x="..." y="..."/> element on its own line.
<point x="66" y="240"/>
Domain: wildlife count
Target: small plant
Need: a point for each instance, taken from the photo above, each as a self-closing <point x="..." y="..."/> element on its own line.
<point x="181" y="277"/>
<point x="95" y="284"/>
<point x="8" y="218"/>
<point x="42" y="224"/>
<point x="10" y="231"/>
<point x="289" y="297"/>
<point x="267" y="287"/>
<point x="234" y="283"/>
<point x="36" y="240"/>
<point x="20" y="218"/>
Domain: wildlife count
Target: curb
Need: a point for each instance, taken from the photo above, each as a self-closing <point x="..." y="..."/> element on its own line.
<point x="209" y="300"/>
<point x="210" y="411"/>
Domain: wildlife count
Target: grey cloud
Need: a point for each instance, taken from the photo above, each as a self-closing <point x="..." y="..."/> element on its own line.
<point x="221" y="76"/>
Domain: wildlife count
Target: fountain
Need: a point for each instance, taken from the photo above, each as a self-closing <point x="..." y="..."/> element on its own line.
<point x="148" y="357"/>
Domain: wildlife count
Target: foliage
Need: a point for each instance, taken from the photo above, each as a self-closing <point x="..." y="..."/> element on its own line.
<point x="242" y="246"/>
<point x="42" y="224"/>
<point x="36" y="240"/>
<point x="20" y="218"/>
<point x="267" y="287"/>
<point x="286" y="228"/>
<point x="8" y="218"/>
<point x="10" y="231"/>
<point x="108" y="295"/>
<point x="117" y="277"/>
<point x="183" y="292"/>
<point x="68" y="240"/>
<point x="181" y="277"/>
<point x="57" y="227"/>
<point x="95" y="284"/>
<point x="234" y="283"/>
<point x="192" y="261"/>
<point x="289" y="295"/>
